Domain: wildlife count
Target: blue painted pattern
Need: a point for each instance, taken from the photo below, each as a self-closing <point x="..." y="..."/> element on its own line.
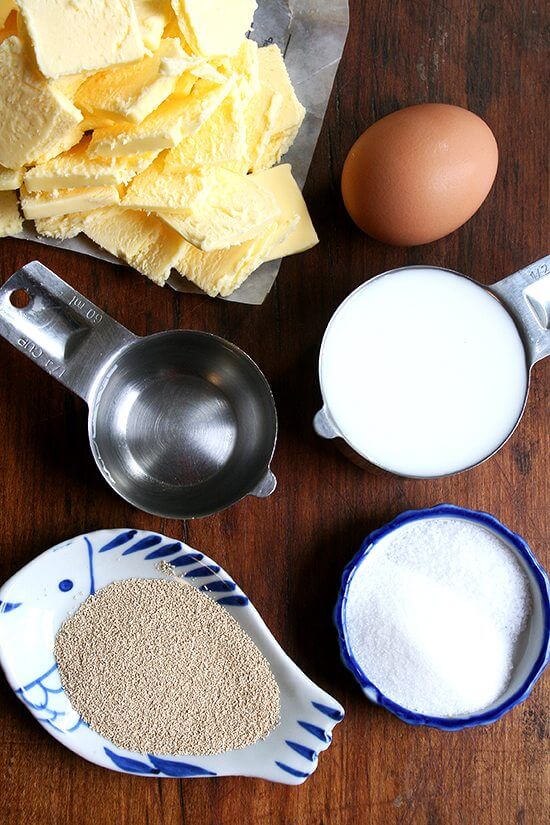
<point x="48" y="714"/>
<point x="294" y="758"/>
<point x="292" y="771"/>
<point x="7" y="607"/>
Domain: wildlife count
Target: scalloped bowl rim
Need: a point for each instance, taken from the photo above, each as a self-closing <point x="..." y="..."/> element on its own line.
<point x="528" y="560"/>
<point x="289" y="754"/>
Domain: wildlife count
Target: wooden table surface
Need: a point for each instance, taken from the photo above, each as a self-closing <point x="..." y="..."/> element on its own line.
<point x="487" y="56"/>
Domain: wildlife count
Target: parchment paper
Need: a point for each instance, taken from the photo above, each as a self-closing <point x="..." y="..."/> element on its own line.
<point x="311" y="34"/>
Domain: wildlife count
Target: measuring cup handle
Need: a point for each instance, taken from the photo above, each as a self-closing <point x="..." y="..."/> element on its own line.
<point x="526" y="294"/>
<point x="59" y="329"/>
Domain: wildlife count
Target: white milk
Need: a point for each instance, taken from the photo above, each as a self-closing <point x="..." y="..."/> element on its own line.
<point x="423" y="372"/>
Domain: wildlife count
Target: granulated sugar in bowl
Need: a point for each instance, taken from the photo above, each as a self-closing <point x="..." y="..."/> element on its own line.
<point x="435" y="614"/>
<point x="155" y="666"/>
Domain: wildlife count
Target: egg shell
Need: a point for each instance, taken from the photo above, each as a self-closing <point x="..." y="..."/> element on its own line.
<point x="419" y="173"/>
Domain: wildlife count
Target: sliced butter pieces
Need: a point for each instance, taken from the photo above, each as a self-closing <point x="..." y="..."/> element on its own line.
<point x="153" y="17"/>
<point x="8" y="27"/>
<point x="223" y="271"/>
<point x="61" y="227"/>
<point x="75" y="169"/>
<point x="291" y="113"/>
<point x="36" y="118"/>
<point x="143" y="241"/>
<point x="131" y="92"/>
<point x="64" y="201"/>
<point x="220" y="141"/>
<point x="279" y="181"/>
<point x="214" y="27"/>
<point x="10" y="178"/>
<point x="6" y="7"/>
<point x="73" y="36"/>
<point x="212" y="209"/>
<point x="180" y="115"/>
<point x="10" y="219"/>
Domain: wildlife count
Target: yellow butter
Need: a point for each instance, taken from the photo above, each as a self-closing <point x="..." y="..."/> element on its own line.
<point x="259" y="118"/>
<point x="72" y="36"/>
<point x="153" y="190"/>
<point x="10" y="219"/>
<point x="143" y="241"/>
<point x="234" y="210"/>
<point x="35" y="119"/>
<point x="10" y="178"/>
<point x="274" y="76"/>
<point x="279" y="181"/>
<point x="8" y="26"/>
<point x="133" y="91"/>
<point x="180" y="115"/>
<point x="214" y="27"/>
<point x="75" y="169"/>
<point x="153" y="17"/>
<point x="61" y="227"/>
<point x="6" y="7"/>
<point x="64" y="201"/>
<point x="223" y="271"/>
<point x="220" y="141"/>
<point x="212" y="208"/>
<point x="69" y="85"/>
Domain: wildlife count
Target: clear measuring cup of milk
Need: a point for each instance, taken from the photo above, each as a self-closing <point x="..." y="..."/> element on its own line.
<point x="425" y="372"/>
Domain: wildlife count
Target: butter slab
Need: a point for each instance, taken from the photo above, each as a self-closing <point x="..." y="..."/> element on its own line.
<point x="236" y="209"/>
<point x="131" y="92"/>
<point x="220" y="141"/>
<point x="35" y="119"/>
<point x="8" y="27"/>
<point x="61" y="227"/>
<point x="214" y="27"/>
<point x="223" y="271"/>
<point x="279" y="181"/>
<point x="153" y="190"/>
<point x="10" y="178"/>
<point x="259" y="119"/>
<point x="141" y="240"/>
<point x="75" y="169"/>
<point x="70" y="37"/>
<point x="6" y="8"/>
<point x="212" y="208"/>
<point x="10" y="219"/>
<point x="274" y="75"/>
<point x="153" y="17"/>
<point x="180" y="115"/>
<point x="64" y="201"/>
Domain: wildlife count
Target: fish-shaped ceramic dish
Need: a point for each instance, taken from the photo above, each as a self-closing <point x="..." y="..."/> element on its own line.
<point x="37" y="599"/>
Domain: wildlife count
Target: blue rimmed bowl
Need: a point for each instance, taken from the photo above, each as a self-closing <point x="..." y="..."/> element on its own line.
<point x="37" y="600"/>
<point x="529" y="664"/>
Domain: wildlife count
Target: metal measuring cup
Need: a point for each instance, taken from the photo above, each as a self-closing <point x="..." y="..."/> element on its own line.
<point x="181" y="424"/>
<point x="526" y="297"/>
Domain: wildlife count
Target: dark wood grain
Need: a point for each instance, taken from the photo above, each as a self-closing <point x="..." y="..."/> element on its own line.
<point x="487" y="56"/>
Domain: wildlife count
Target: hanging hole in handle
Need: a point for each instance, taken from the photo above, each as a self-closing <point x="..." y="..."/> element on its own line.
<point x="20" y="298"/>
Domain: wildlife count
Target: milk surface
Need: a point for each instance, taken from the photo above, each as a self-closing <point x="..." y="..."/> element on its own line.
<point x="423" y="372"/>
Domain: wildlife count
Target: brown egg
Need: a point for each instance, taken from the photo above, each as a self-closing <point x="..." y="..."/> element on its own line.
<point x="419" y="173"/>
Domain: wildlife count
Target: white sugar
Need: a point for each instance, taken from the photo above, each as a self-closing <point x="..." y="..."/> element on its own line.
<point x="434" y="615"/>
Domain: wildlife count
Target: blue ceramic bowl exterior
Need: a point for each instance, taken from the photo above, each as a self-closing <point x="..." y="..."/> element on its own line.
<point x="541" y="582"/>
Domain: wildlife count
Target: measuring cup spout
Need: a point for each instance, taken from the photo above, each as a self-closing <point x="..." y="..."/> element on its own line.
<point x="59" y="329"/>
<point x="526" y="295"/>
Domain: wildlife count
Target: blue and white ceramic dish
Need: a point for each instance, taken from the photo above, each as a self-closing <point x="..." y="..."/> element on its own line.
<point x="536" y="649"/>
<point x="36" y="601"/>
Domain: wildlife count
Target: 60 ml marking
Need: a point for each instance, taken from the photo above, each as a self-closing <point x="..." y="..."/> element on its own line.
<point x="89" y="312"/>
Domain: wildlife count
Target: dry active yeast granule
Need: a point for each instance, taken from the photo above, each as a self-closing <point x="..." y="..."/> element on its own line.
<point x="155" y="666"/>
